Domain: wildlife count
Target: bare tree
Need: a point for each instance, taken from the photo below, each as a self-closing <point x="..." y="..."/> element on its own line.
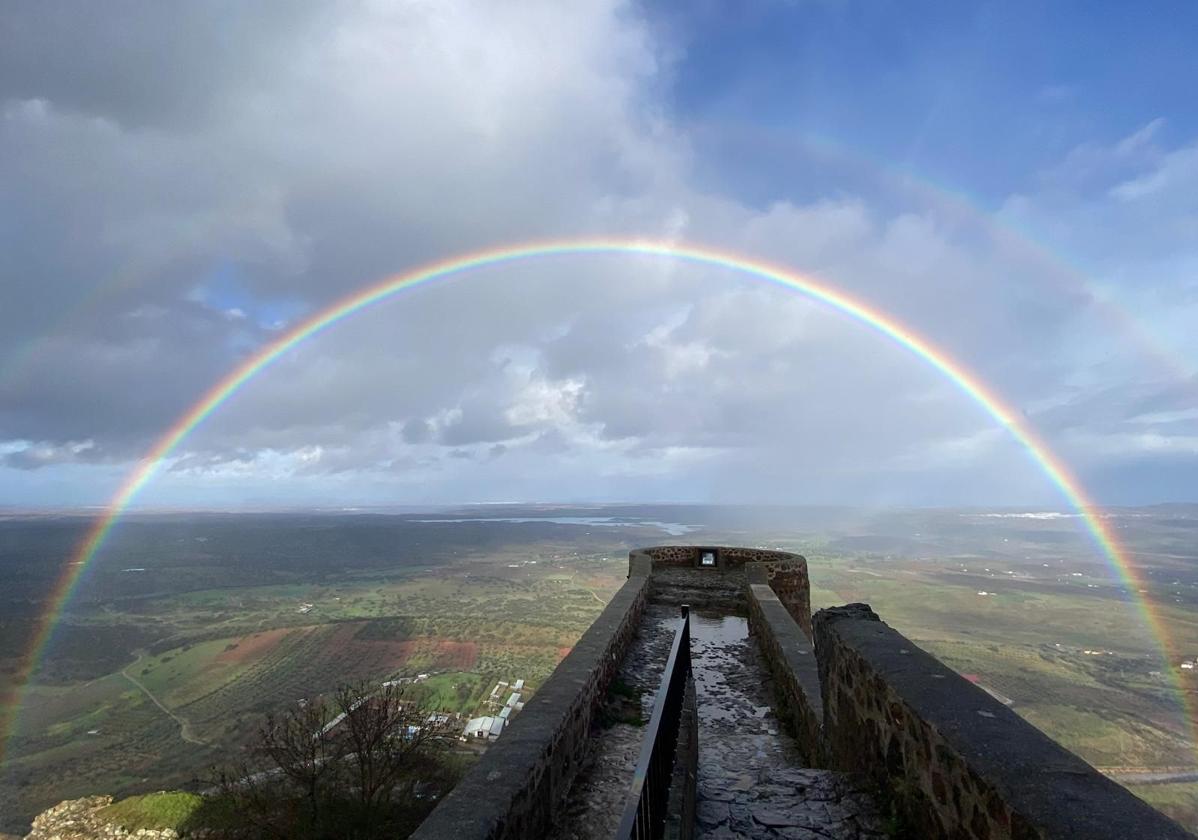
<point x="388" y="736"/>
<point x="350" y="766"/>
<point x="301" y="745"/>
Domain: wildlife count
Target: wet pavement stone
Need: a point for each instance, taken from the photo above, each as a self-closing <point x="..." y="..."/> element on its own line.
<point x="751" y="780"/>
<point x="596" y="800"/>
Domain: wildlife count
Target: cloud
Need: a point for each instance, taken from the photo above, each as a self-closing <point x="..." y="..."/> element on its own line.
<point x="1132" y="210"/>
<point x="177" y="202"/>
<point x="143" y="64"/>
<point x="25" y="455"/>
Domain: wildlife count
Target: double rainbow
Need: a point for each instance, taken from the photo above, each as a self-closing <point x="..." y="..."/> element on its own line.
<point x="1055" y="469"/>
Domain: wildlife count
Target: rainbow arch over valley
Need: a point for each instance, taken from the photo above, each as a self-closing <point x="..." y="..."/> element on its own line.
<point x="1054" y="469"/>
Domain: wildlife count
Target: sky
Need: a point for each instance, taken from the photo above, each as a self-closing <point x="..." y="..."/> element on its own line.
<point x="1015" y="182"/>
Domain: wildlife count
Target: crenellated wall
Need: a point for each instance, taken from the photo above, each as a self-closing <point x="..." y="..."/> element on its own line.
<point x="785" y="573"/>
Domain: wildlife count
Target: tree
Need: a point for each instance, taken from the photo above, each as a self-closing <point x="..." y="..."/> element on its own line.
<point x="391" y="739"/>
<point x="366" y="761"/>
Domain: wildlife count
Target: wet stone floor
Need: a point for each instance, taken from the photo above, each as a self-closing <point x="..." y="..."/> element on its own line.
<point x="597" y="797"/>
<point x="751" y="780"/>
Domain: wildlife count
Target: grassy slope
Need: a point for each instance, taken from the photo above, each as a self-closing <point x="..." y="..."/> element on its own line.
<point x="166" y="809"/>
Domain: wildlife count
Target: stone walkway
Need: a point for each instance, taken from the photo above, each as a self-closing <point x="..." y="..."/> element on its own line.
<point x="751" y="780"/>
<point x="597" y="796"/>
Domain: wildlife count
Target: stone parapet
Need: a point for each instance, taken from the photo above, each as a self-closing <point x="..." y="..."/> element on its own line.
<point x="680" y="814"/>
<point x="681" y="577"/>
<point x="955" y="762"/>
<point x="728" y="557"/>
<point x="789" y="581"/>
<point x="790" y="657"/>
<point x="519" y="783"/>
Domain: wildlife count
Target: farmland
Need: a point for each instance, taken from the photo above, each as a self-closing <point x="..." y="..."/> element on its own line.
<point x="150" y="687"/>
<point x="188" y="629"/>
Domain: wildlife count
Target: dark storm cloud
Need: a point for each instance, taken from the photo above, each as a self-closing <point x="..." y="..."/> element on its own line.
<point x="141" y="63"/>
<point x="120" y="379"/>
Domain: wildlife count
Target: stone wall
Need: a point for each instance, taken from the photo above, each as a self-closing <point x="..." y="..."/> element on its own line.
<point x="735" y="556"/>
<point x="680" y="813"/>
<point x="718" y="590"/>
<point x="951" y="761"/>
<point x="514" y="790"/>
<point x="789" y="580"/>
<point x="790" y="657"/>
<point x="729" y="557"/>
<point x="681" y="580"/>
<point x="669" y="555"/>
<point x="954" y="762"/>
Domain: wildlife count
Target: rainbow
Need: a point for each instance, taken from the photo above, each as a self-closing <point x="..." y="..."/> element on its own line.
<point x="1065" y="272"/>
<point x="957" y="204"/>
<point x="966" y="381"/>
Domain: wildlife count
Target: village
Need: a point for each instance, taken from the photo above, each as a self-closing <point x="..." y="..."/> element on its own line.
<point x="478" y="730"/>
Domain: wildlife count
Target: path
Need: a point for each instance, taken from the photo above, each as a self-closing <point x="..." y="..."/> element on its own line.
<point x="751" y="779"/>
<point x="598" y="795"/>
<point x="573" y="582"/>
<point x="752" y="782"/>
<point x="185" y="730"/>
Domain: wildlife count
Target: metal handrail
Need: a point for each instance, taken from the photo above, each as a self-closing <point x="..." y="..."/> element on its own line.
<point x="645" y="809"/>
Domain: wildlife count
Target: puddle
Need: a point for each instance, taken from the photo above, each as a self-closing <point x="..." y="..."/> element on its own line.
<point x="717" y="642"/>
<point x="717" y="628"/>
<point x="736" y="714"/>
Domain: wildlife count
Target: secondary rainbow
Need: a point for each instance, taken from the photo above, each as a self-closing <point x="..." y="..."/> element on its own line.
<point x="962" y="206"/>
<point x="1055" y="470"/>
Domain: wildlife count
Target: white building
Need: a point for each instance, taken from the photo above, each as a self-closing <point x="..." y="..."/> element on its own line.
<point x="479" y="727"/>
<point x="488" y="727"/>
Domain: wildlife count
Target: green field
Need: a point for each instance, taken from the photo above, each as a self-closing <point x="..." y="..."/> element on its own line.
<point x="209" y="661"/>
<point x="154" y="677"/>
